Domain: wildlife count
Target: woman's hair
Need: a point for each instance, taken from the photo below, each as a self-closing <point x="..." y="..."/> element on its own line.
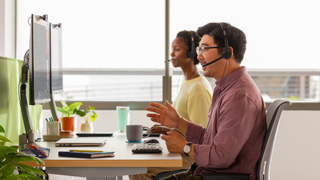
<point x="185" y="36"/>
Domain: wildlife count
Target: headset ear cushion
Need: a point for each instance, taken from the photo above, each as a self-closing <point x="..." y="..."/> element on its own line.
<point x="226" y="53"/>
<point x="191" y="54"/>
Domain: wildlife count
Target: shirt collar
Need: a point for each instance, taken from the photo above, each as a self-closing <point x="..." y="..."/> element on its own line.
<point x="226" y="80"/>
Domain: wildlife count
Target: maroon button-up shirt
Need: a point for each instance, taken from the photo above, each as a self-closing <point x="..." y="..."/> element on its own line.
<point x="236" y="129"/>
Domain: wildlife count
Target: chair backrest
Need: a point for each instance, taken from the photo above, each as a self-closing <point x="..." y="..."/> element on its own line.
<point x="273" y="118"/>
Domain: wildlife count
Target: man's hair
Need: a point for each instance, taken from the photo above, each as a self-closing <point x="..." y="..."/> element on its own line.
<point x="236" y="38"/>
<point x="185" y="36"/>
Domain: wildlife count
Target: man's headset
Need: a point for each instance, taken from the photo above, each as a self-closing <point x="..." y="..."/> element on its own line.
<point x="226" y="53"/>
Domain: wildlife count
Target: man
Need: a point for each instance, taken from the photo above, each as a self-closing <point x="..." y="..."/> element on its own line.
<point x="236" y="127"/>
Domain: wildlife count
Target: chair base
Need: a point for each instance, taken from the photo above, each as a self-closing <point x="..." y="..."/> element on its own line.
<point x="166" y="173"/>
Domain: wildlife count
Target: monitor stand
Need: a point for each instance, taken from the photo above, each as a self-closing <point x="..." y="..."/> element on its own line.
<point x="28" y="137"/>
<point x="52" y="106"/>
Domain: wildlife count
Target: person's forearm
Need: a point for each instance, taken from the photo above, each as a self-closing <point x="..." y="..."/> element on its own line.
<point x="183" y="126"/>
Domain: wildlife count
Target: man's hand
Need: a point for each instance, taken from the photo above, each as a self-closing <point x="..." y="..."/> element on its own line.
<point x="165" y="115"/>
<point x="174" y="141"/>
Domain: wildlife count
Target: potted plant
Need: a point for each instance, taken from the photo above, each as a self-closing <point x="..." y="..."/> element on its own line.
<point x="10" y="160"/>
<point x="68" y="121"/>
<point x="87" y="114"/>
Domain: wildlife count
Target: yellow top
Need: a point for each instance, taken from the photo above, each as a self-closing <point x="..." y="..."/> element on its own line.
<point x="194" y="99"/>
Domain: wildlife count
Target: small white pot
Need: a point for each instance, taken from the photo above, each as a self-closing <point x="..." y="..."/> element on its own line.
<point x="86" y="127"/>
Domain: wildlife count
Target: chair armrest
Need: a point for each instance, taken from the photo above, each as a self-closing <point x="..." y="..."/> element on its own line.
<point x="226" y="176"/>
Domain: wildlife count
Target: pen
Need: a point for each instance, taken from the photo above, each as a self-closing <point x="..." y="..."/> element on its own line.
<point x="47" y="120"/>
<point x="75" y="150"/>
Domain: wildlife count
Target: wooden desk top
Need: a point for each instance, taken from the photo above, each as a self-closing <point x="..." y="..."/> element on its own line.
<point x="123" y="156"/>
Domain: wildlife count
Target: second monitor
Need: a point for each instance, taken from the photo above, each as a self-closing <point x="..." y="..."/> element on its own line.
<point x="56" y="72"/>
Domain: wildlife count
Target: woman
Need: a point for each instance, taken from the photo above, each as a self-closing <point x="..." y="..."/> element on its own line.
<point x="194" y="98"/>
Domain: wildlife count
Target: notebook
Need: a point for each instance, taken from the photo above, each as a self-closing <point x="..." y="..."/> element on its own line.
<point x="86" y="154"/>
<point x="94" y="134"/>
<point x="81" y="141"/>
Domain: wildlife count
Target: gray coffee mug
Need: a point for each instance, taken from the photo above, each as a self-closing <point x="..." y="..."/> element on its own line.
<point x="135" y="132"/>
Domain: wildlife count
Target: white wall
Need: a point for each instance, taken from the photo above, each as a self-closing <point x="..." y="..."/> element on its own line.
<point x="297" y="149"/>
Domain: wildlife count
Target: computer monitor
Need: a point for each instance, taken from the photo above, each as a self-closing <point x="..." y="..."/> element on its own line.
<point x="56" y="72"/>
<point x="56" y="58"/>
<point x="39" y="62"/>
<point x="36" y="62"/>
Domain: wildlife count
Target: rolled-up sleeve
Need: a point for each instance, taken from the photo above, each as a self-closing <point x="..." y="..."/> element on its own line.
<point x="195" y="133"/>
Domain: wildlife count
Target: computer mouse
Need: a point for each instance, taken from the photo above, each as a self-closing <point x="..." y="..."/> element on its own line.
<point x="151" y="141"/>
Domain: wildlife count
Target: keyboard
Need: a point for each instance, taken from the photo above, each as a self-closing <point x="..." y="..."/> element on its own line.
<point x="147" y="148"/>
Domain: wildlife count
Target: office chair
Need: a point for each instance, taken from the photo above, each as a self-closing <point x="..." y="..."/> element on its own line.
<point x="263" y="167"/>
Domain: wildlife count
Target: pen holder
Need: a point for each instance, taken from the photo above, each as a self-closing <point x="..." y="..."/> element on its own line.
<point x="53" y="128"/>
<point x="40" y="153"/>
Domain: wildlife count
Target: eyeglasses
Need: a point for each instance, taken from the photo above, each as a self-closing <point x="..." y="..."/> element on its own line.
<point x="203" y="49"/>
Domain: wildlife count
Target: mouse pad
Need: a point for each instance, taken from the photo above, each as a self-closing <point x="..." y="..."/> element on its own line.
<point x="134" y="141"/>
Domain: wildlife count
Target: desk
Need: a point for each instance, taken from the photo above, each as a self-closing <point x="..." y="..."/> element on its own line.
<point x="124" y="162"/>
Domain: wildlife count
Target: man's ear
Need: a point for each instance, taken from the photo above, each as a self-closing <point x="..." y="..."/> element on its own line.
<point x="231" y="50"/>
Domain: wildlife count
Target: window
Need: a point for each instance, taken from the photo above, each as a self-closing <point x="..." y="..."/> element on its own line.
<point x="104" y="36"/>
<point x="281" y="38"/>
<point x="114" y="51"/>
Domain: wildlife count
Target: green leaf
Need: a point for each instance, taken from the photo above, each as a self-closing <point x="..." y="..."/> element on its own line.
<point x="9" y="165"/>
<point x="23" y="171"/>
<point x="91" y="108"/>
<point x="6" y="170"/>
<point x="94" y="116"/>
<point x="2" y="138"/>
<point x="14" y="148"/>
<point x="94" y="113"/>
<point x="75" y="105"/>
<point x="31" y="169"/>
<point x="81" y="113"/>
<point x="5" y="150"/>
<point x="27" y="176"/>
<point x="64" y="104"/>
<point x="25" y="157"/>
<point x="15" y="177"/>
<point x="1" y="129"/>
<point x="61" y="110"/>
<point x="68" y="110"/>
